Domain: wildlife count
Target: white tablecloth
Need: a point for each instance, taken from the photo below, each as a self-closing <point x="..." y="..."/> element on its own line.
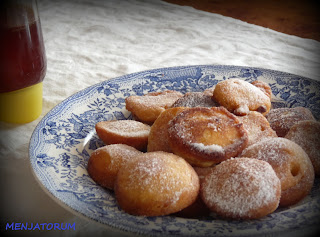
<point x="91" y="41"/>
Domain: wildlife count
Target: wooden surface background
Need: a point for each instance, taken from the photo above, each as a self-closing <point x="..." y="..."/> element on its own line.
<point x="293" y="17"/>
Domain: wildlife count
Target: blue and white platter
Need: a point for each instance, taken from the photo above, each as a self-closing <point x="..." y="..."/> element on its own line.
<point x="62" y="142"/>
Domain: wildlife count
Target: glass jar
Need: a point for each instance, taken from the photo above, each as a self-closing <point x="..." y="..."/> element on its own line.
<point x="22" y="61"/>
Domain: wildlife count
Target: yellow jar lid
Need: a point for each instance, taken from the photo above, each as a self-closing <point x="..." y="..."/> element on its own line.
<point x="21" y="106"/>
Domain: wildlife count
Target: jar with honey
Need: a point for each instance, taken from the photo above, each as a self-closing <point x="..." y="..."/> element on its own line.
<point x="22" y="61"/>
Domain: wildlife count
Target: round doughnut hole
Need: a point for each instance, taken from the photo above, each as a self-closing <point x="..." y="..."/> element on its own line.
<point x="294" y="169"/>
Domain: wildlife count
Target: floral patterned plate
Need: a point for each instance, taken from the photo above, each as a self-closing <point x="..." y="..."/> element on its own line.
<point x="64" y="139"/>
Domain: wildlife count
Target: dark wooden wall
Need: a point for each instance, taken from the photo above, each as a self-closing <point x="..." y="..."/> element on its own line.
<point x="293" y="17"/>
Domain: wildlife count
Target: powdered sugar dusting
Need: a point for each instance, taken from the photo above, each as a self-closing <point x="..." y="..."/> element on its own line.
<point x="307" y="135"/>
<point x="213" y="133"/>
<point x="257" y="126"/>
<point x="214" y="127"/>
<point x="182" y="129"/>
<point x="282" y="119"/>
<point x="156" y="173"/>
<point x="129" y="128"/>
<point x="247" y="94"/>
<point x="185" y="129"/>
<point x="268" y="149"/>
<point x="195" y="99"/>
<point x="163" y="99"/>
<point x="240" y="186"/>
<point x="242" y="109"/>
<point x="208" y="148"/>
<point x="119" y="154"/>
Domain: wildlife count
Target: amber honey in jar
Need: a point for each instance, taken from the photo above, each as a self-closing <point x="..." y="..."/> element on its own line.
<point x="22" y="61"/>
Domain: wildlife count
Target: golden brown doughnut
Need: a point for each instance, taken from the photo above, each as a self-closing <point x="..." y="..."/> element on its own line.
<point x="209" y="91"/>
<point x="257" y="127"/>
<point x="282" y="119"/>
<point x="159" y="138"/>
<point x="307" y="135"/>
<point x="263" y="86"/>
<point x="291" y="164"/>
<point x="195" y="99"/>
<point x="105" y="162"/>
<point x="240" y="97"/>
<point x="206" y="136"/>
<point x="241" y="188"/>
<point x="147" y="108"/>
<point x="155" y="184"/>
<point x="130" y="132"/>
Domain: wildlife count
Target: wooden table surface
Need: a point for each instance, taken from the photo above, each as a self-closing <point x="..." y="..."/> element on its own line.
<point x="293" y="17"/>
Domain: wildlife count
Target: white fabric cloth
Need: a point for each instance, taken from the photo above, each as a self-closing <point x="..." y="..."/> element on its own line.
<point x="91" y="41"/>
